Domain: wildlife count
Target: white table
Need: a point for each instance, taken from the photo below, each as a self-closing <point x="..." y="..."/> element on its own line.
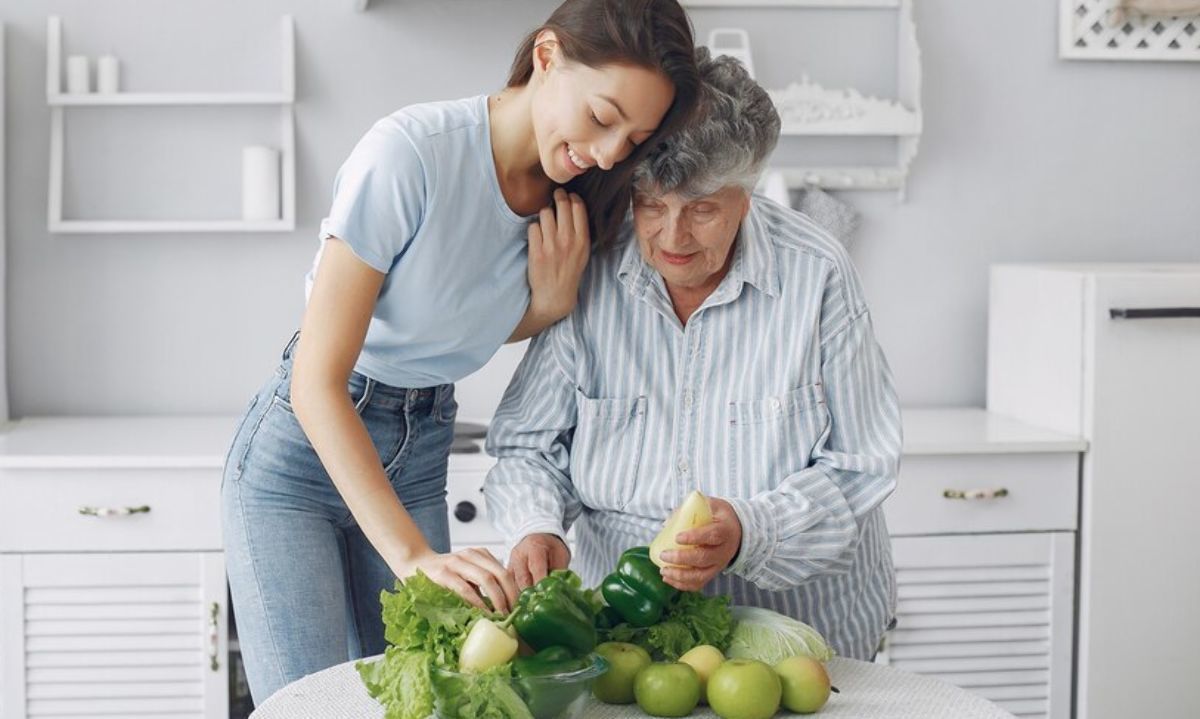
<point x="868" y="691"/>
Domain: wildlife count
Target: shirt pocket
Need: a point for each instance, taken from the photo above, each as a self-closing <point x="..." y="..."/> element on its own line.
<point x="606" y="450"/>
<point x="775" y="436"/>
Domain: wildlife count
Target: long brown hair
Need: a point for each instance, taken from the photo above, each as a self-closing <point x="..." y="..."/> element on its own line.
<point x="653" y="34"/>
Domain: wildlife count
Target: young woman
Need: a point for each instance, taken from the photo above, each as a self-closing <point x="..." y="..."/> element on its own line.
<point x="439" y="247"/>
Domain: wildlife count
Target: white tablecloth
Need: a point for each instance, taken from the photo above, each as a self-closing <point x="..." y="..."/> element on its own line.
<point x="868" y="691"/>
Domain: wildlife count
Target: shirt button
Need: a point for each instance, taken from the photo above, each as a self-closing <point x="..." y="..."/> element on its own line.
<point x="687" y="398"/>
<point x="776" y="404"/>
<point x="683" y="465"/>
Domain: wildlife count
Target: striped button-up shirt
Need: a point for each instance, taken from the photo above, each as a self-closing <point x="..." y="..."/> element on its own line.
<point x="773" y="396"/>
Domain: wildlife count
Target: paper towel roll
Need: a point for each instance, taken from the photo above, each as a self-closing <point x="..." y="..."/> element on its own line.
<point x="79" y="75"/>
<point x="260" y="183"/>
<point x="108" y="75"/>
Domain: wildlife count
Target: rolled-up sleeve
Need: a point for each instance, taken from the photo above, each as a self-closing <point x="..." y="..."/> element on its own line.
<point x="529" y="489"/>
<point x="808" y="524"/>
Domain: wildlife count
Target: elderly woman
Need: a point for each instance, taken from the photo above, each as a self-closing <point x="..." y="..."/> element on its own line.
<point x="725" y="347"/>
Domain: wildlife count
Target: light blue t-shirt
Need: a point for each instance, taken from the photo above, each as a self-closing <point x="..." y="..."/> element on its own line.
<point x="418" y="199"/>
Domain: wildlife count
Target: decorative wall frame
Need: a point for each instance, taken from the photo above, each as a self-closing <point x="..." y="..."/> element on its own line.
<point x="1102" y="30"/>
<point x="808" y="109"/>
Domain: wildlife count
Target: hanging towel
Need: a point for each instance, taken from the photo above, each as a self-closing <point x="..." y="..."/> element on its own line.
<point x="839" y="218"/>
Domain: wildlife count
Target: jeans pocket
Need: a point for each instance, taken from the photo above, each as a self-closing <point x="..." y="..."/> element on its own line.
<point x="359" y="388"/>
<point x="606" y="451"/>
<point x="238" y="444"/>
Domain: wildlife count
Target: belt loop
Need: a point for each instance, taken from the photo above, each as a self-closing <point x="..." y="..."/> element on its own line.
<point x="291" y="345"/>
<point x="368" y="390"/>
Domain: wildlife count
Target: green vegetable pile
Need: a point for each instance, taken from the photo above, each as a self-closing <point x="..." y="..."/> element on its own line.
<point x="448" y="658"/>
<point x="645" y="610"/>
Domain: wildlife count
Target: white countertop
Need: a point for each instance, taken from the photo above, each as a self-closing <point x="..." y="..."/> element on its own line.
<point x="116" y="442"/>
<point x="198" y="441"/>
<point x="972" y="430"/>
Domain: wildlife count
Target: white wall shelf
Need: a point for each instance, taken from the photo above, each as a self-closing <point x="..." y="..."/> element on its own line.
<point x="60" y="101"/>
<point x="792" y="3"/>
<point x="169" y="98"/>
<point x="809" y="110"/>
<point x="3" y="272"/>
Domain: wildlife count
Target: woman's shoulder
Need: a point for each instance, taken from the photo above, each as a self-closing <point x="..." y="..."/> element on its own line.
<point x="405" y="140"/>
<point x="427" y="120"/>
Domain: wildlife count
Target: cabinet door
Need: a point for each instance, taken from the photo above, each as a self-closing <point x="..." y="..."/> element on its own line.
<point x="114" y="634"/>
<point x="1139" y="582"/>
<point x="990" y="613"/>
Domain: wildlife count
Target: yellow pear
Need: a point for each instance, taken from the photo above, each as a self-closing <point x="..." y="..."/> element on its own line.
<point x="693" y="513"/>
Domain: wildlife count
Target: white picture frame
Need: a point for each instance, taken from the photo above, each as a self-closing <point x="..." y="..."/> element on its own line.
<point x="1103" y="30"/>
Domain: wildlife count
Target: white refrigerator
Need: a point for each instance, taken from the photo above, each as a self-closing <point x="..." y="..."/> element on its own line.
<point x="1111" y="352"/>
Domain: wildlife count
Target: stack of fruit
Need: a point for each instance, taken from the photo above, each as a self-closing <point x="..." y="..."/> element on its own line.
<point x="734" y="688"/>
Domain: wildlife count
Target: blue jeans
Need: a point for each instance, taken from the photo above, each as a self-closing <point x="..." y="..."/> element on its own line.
<point x="304" y="579"/>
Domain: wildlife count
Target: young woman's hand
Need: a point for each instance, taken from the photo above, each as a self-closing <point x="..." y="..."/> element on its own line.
<point x="559" y="245"/>
<point x="537" y="555"/>
<point x="470" y="573"/>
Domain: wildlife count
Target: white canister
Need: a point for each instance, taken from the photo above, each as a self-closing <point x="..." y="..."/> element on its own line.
<point x="79" y="75"/>
<point x="108" y="75"/>
<point x="260" y="183"/>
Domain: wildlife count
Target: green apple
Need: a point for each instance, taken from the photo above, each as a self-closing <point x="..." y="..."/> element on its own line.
<point x="744" y="689"/>
<point x="667" y="690"/>
<point x="805" y="684"/>
<point x="625" y="660"/>
<point x="704" y="658"/>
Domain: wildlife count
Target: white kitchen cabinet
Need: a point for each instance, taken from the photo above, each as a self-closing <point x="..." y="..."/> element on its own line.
<point x="49" y="468"/>
<point x="112" y="579"/>
<point x="983" y="524"/>
<point x="1112" y="353"/>
<point x="120" y="634"/>
<point x="990" y="613"/>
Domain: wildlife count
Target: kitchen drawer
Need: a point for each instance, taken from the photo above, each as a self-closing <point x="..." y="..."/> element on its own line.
<point x="1040" y="493"/>
<point x="39" y="509"/>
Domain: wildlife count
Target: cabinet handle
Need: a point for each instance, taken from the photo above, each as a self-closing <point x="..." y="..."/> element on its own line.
<point x="975" y="493"/>
<point x="113" y="511"/>
<point x="1150" y="313"/>
<point x="213" y="636"/>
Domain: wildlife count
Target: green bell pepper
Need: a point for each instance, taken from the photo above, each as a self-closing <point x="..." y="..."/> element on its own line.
<point x="554" y="612"/>
<point x="546" y="697"/>
<point x="636" y="590"/>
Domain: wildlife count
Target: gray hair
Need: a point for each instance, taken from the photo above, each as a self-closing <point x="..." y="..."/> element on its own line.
<point x="734" y="130"/>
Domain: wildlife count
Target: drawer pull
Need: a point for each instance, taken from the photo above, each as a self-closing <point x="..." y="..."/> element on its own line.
<point x="113" y="511"/>
<point x="975" y="493"/>
<point x="214" y="636"/>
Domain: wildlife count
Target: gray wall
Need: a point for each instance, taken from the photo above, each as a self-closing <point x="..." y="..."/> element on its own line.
<point x="1024" y="157"/>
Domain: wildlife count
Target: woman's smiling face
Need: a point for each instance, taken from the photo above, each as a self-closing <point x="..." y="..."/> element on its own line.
<point x="585" y="117"/>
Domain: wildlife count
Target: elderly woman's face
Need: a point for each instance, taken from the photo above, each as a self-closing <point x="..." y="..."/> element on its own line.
<point x="688" y="241"/>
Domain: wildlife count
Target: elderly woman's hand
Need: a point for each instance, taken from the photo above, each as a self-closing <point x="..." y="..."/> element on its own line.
<point x="715" y="546"/>
<point x="559" y="244"/>
<point x="537" y="555"/>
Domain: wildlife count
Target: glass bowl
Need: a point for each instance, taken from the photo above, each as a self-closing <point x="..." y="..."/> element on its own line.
<point x="550" y="696"/>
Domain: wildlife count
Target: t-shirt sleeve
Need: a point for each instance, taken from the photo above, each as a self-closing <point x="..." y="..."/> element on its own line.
<point x="379" y="196"/>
